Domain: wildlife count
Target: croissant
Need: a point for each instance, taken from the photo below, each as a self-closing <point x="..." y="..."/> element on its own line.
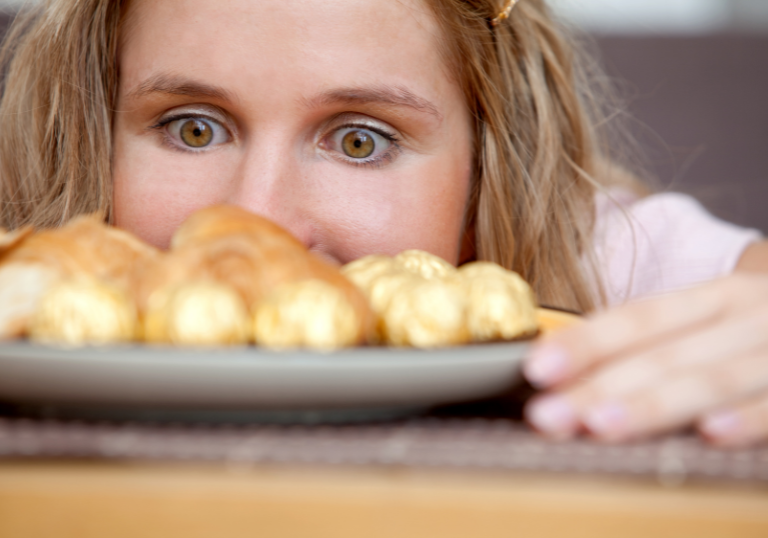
<point x="254" y="256"/>
<point x="86" y="246"/>
<point x="197" y="313"/>
<point x="307" y="313"/>
<point x="84" y="311"/>
<point x="10" y="240"/>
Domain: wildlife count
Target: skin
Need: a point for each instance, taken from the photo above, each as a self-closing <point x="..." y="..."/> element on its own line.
<point x="281" y="81"/>
<point x="694" y="357"/>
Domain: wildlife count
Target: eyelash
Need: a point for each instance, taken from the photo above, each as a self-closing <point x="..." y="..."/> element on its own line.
<point x="377" y="161"/>
<point x="374" y="162"/>
<point x="163" y="123"/>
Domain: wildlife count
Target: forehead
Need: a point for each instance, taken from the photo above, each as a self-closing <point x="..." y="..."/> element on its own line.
<point x="291" y="44"/>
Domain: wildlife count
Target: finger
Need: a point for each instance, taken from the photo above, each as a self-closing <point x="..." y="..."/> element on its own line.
<point x="568" y="353"/>
<point x="738" y="336"/>
<point x="680" y="400"/>
<point x="558" y="414"/>
<point x="741" y="425"/>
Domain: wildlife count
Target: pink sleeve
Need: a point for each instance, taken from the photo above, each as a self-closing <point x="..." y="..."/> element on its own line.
<point x="662" y="243"/>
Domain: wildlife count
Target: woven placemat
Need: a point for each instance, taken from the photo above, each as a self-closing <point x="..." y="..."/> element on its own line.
<point x="429" y="442"/>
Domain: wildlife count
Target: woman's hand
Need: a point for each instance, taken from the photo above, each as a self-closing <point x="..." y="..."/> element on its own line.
<point x="694" y="357"/>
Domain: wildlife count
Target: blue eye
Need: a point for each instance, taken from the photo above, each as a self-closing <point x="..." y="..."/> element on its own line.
<point x="196" y="132"/>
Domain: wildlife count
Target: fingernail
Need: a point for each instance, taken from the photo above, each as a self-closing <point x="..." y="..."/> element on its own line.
<point x="606" y="420"/>
<point x="552" y="415"/>
<point x="546" y="365"/>
<point x="720" y="424"/>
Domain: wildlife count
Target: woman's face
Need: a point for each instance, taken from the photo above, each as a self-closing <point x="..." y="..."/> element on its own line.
<point x="335" y="118"/>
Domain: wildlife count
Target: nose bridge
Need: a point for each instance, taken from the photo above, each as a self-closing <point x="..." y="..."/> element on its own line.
<point x="269" y="183"/>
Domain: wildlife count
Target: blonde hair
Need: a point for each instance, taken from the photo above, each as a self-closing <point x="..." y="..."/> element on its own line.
<point x="537" y="151"/>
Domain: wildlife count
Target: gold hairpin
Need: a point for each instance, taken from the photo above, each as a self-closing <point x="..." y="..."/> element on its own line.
<point x="504" y="14"/>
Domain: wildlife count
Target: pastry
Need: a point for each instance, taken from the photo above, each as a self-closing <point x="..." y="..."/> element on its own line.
<point x="22" y="285"/>
<point x="307" y="313"/>
<point x="85" y="247"/>
<point x="10" y="240"/>
<point x="197" y="314"/>
<point x="229" y="245"/>
<point x="83" y="311"/>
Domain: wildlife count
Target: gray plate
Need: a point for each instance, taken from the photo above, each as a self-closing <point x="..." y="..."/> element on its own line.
<point x="146" y="379"/>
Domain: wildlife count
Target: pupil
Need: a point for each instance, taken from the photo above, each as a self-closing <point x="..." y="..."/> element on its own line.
<point x="197" y="131"/>
<point x="358" y="143"/>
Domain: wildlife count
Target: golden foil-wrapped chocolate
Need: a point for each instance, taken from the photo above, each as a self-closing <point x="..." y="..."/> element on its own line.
<point x="481" y="301"/>
<point x="197" y="314"/>
<point x="500" y="304"/>
<point x="425" y="264"/>
<point x="380" y="292"/>
<point x="386" y="286"/>
<point x="429" y="313"/>
<point x="84" y="311"/>
<point x="363" y="271"/>
<point x="308" y="313"/>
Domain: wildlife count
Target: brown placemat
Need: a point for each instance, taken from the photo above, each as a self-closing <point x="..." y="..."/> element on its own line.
<point x="467" y="443"/>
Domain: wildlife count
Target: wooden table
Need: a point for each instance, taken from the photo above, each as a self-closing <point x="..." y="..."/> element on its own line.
<point x="94" y="499"/>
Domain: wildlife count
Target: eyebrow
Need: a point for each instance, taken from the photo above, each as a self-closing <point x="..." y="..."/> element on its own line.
<point x="176" y="85"/>
<point x="386" y="95"/>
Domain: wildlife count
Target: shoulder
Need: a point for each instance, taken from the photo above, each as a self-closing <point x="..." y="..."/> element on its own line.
<point x="662" y="242"/>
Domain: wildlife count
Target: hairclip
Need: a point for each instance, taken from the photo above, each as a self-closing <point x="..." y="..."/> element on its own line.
<point x="504" y="14"/>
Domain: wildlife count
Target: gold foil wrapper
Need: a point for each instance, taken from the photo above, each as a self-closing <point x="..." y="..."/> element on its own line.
<point x="364" y="271"/>
<point x="197" y="314"/>
<point x="83" y="311"/>
<point x="306" y="314"/>
<point x="427" y="314"/>
<point x="481" y="301"/>
<point x="424" y="264"/>
<point x="500" y="304"/>
<point x="389" y="285"/>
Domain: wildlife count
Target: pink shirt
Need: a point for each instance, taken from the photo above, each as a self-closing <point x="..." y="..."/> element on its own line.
<point x="660" y="243"/>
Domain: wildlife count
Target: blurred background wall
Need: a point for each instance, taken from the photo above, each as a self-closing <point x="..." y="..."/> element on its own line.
<point x="694" y="74"/>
